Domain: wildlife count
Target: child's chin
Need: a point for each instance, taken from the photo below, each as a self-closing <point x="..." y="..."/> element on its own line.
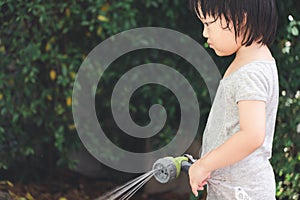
<point x="221" y="54"/>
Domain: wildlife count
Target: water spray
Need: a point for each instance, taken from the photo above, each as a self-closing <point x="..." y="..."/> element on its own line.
<point x="164" y="170"/>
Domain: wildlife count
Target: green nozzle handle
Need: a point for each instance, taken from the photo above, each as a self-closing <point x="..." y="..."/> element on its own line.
<point x="178" y="163"/>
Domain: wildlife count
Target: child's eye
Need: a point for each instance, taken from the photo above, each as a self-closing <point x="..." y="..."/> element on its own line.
<point x="209" y="23"/>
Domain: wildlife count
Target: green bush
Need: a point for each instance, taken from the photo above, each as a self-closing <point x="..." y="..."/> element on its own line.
<point x="286" y="153"/>
<point x="42" y="45"/>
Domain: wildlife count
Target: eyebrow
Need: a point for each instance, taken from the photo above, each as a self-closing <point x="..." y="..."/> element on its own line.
<point x="203" y="18"/>
<point x="208" y="22"/>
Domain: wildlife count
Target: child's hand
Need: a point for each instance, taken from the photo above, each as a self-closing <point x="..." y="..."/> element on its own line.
<point x="198" y="176"/>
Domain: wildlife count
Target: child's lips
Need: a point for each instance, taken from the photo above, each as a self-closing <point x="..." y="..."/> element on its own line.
<point x="209" y="44"/>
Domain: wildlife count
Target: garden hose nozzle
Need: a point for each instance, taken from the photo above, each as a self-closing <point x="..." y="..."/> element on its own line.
<point x="169" y="168"/>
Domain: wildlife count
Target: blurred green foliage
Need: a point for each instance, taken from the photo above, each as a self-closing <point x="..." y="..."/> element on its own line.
<point x="42" y="45"/>
<point x="286" y="150"/>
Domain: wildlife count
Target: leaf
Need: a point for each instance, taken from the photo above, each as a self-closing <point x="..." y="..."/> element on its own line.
<point x="68" y="12"/>
<point x="10" y="184"/>
<point x="295" y="31"/>
<point x="102" y="18"/>
<point x="52" y="75"/>
<point x="99" y="31"/>
<point x="105" y="7"/>
<point x="64" y="69"/>
<point x="48" y="47"/>
<point x="29" y="196"/>
<point x="69" y="101"/>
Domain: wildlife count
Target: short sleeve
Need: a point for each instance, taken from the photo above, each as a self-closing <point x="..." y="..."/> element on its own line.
<point x="251" y="85"/>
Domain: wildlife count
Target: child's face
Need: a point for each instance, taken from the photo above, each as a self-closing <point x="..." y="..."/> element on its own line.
<point x="222" y="40"/>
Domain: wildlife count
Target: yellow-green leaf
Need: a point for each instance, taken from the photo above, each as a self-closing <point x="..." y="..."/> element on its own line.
<point x="52" y="74"/>
<point x="29" y="196"/>
<point x="102" y="18"/>
<point x="69" y="101"/>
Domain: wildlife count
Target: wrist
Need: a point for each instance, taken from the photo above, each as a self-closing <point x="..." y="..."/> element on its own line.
<point x="204" y="165"/>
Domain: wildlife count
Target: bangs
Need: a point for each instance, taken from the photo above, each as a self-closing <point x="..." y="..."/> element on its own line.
<point x="211" y="8"/>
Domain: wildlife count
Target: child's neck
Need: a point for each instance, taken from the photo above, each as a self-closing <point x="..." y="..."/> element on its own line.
<point x="253" y="52"/>
<point x="245" y="55"/>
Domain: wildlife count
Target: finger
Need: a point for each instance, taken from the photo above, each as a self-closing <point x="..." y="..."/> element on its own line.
<point x="195" y="191"/>
<point x="200" y="188"/>
<point x="204" y="183"/>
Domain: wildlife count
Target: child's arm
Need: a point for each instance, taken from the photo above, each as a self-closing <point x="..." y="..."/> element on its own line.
<point x="251" y="136"/>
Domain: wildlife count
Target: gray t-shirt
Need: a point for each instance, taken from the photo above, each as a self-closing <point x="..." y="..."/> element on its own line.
<point x="253" y="177"/>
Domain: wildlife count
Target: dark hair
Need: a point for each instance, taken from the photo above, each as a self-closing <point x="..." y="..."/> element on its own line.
<point x="256" y="19"/>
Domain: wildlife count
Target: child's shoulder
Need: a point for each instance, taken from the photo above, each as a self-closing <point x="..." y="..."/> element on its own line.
<point x="256" y="68"/>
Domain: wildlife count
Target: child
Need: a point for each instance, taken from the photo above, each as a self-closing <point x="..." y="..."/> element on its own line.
<point x="237" y="140"/>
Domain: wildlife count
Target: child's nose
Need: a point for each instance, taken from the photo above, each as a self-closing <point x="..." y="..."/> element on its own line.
<point x="204" y="33"/>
